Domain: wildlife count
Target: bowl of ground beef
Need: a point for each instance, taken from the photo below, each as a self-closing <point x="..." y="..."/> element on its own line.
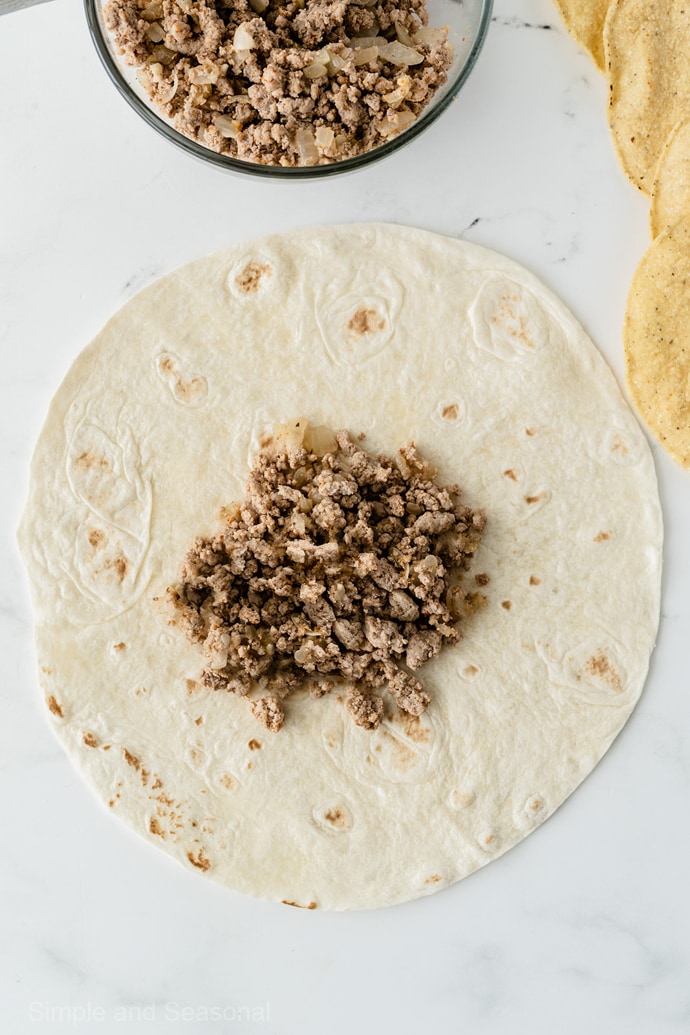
<point x="289" y="88"/>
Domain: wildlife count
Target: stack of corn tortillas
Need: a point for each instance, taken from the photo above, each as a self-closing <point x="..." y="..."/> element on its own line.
<point x="150" y="437"/>
<point x="643" y="47"/>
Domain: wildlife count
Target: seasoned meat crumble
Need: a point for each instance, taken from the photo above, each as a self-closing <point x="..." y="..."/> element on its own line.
<point x="338" y="569"/>
<point x="284" y="82"/>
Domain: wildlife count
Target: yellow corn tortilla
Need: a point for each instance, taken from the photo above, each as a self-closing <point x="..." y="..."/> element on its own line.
<point x="584" y="20"/>
<point x="671" y="191"/>
<point x="647" y="52"/>
<point x="657" y="340"/>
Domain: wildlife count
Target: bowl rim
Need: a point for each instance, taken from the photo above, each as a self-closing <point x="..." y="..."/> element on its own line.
<point x="279" y="172"/>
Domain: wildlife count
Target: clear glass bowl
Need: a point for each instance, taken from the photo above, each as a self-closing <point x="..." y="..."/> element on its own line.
<point x="467" y="21"/>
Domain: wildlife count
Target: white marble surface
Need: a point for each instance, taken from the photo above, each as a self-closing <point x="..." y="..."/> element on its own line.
<point x="586" y="925"/>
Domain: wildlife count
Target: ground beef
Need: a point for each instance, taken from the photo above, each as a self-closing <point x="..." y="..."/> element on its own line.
<point x="284" y="82"/>
<point x="338" y="569"/>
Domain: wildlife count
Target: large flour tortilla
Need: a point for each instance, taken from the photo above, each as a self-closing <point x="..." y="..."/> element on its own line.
<point x="151" y="433"/>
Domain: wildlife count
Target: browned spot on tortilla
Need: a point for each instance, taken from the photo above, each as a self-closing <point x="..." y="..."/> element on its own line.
<point x="254" y="745"/>
<point x="413" y="728"/>
<point x="336" y="816"/>
<point x="450" y="412"/>
<point x="144" y="774"/>
<point x="106" y="747"/>
<point x="157" y="784"/>
<point x="482" y="579"/>
<point x="249" y="765"/>
<point x="601" y="537"/>
<point x="250" y="278"/>
<point x="193" y="687"/>
<point x="535" y="499"/>
<point x="535" y="805"/>
<point x="199" y="860"/>
<point x="366" y="321"/>
<point x="96" y="537"/>
<point x="330" y="741"/>
<point x="534" y="580"/>
<point x="130" y="759"/>
<point x="405" y="756"/>
<point x="510" y="473"/>
<point x="89" y="740"/>
<point x="54" y="706"/>
<point x="599" y="665"/>
<point x="265" y="441"/>
<point x="227" y="781"/>
<point x="91" y="460"/>
<point x="433" y="879"/>
<point x="530" y="431"/>
<point x="48" y="671"/>
<point x="312" y="905"/>
<point x="489" y="839"/>
<point x="506" y="604"/>
<point x="156" y="828"/>
<point x="119" y="646"/>
<point x="471" y="670"/>
<point x="619" y="445"/>
<point x="119" y="566"/>
<point x="199" y="720"/>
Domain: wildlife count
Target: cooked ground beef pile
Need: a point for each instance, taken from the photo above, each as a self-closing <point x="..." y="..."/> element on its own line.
<point x="338" y="569"/>
<point x="284" y="82"/>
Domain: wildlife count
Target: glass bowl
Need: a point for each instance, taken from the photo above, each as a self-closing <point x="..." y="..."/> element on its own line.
<point x="467" y="22"/>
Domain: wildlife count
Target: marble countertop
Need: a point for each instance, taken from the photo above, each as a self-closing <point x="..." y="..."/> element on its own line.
<point x="584" y="926"/>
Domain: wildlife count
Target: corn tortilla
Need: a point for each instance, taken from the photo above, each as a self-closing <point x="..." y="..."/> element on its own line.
<point x="647" y="51"/>
<point x="671" y="191"/>
<point x="657" y="340"/>
<point x="584" y="20"/>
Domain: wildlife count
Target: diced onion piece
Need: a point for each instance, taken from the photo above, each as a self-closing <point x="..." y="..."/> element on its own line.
<point x="367" y="41"/>
<point x="152" y="12"/>
<point x="314" y="70"/>
<point x="167" y="93"/>
<point x="403" y="35"/>
<point x="201" y="76"/>
<point x="320" y="439"/>
<point x="306" y="146"/>
<point x="390" y="127"/>
<point x="258" y="5"/>
<point x="243" y="39"/>
<point x="291" y="435"/>
<point x="401" y="92"/>
<point x="162" y="55"/>
<point x="336" y="63"/>
<point x="398" y="54"/>
<point x="155" y="32"/>
<point x="325" y="138"/>
<point x="227" y="126"/>
<point x="144" y="78"/>
<point x="430" y="36"/>
<point x="366" y="55"/>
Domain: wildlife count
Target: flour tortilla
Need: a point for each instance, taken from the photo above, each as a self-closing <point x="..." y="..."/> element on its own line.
<point x="151" y="434"/>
